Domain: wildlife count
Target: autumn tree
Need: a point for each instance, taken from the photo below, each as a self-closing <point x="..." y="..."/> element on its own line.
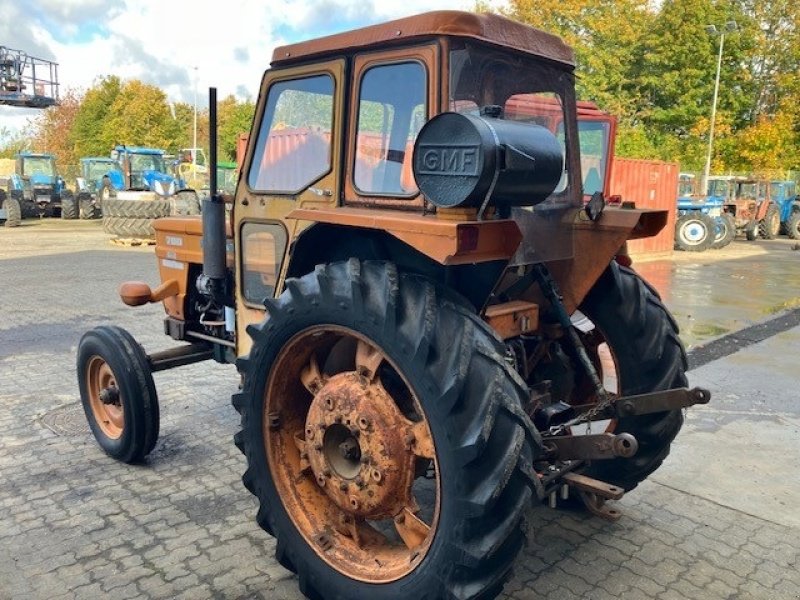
<point x="50" y="131"/>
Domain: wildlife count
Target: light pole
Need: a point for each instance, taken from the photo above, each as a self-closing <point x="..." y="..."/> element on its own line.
<point x="194" y="141"/>
<point x="730" y="26"/>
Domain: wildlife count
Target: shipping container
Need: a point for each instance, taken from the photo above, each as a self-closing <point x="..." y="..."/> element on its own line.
<point x="648" y="184"/>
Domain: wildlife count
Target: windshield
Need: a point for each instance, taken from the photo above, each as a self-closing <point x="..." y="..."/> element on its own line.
<point x="147" y="162"/>
<point x="38" y="166"/>
<point x="686" y="187"/>
<point x="719" y="187"/>
<point x="531" y="90"/>
<point x="96" y="170"/>
<point x="751" y="190"/>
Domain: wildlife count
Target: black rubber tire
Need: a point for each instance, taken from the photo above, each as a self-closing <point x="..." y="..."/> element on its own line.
<point x="694" y="232"/>
<point x="69" y="207"/>
<point x="136" y="209"/>
<point x="751" y="231"/>
<point x="770" y="225"/>
<point x="13" y="212"/>
<point x="184" y="203"/>
<point x="129" y="227"/>
<point x="643" y="339"/>
<point x="128" y="362"/>
<point x="793" y="225"/>
<point x="89" y="207"/>
<point x="473" y="402"/>
<point x="726" y="231"/>
<point x="29" y="209"/>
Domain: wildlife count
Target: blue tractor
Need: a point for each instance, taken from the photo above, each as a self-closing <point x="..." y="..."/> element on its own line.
<point x="36" y="185"/>
<point x="784" y="194"/>
<point x="702" y="222"/>
<point x="93" y="169"/>
<point x="142" y="190"/>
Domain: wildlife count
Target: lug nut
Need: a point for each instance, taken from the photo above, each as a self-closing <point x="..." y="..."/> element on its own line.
<point x="363" y="422"/>
<point x="354" y="503"/>
<point x="320" y="481"/>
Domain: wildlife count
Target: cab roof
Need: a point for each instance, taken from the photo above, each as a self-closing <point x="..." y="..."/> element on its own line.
<point x="489" y="28"/>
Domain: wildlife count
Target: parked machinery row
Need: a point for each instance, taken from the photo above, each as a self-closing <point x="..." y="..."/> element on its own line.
<point x="734" y="205"/>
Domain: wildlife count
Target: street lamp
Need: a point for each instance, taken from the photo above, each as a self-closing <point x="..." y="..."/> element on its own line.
<point x="730" y="27"/>
<point x="194" y="142"/>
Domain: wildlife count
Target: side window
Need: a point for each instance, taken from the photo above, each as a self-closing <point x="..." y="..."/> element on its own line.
<point x="294" y="140"/>
<point x="391" y="111"/>
<point x="263" y="245"/>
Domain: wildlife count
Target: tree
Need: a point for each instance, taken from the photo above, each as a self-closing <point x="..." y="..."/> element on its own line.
<point x="89" y="134"/>
<point x="50" y="131"/>
<point x="140" y="116"/>
<point x="234" y="118"/>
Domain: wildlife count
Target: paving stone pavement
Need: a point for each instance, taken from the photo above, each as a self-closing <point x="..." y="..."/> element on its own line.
<point x="76" y="524"/>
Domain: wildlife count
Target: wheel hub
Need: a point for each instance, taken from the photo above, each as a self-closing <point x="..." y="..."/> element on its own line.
<point x="358" y="445"/>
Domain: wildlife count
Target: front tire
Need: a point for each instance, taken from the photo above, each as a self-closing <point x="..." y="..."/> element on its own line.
<point x="353" y="325"/>
<point x="69" y="207"/>
<point x="694" y="232"/>
<point x="118" y="393"/>
<point x="13" y="212"/>
<point x="642" y="340"/>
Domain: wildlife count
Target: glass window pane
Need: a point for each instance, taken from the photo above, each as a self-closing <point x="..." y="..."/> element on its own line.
<point x="391" y="111"/>
<point x="263" y="245"/>
<point x="294" y="142"/>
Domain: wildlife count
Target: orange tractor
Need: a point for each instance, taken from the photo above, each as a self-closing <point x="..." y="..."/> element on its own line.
<point x="434" y="326"/>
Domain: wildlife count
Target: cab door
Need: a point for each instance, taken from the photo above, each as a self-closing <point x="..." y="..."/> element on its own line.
<point x="292" y="161"/>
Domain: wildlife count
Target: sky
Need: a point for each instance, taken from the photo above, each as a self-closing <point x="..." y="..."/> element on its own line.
<point x="182" y="46"/>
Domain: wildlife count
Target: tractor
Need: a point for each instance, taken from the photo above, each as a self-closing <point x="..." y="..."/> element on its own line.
<point x="93" y="170"/>
<point x="752" y="209"/>
<point x="702" y="223"/>
<point x="33" y="181"/>
<point x="140" y="190"/>
<point x="784" y="195"/>
<point x="432" y="324"/>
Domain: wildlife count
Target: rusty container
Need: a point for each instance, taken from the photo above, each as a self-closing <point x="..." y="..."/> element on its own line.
<point x="648" y="184"/>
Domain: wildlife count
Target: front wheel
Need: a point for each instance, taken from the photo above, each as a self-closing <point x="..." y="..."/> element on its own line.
<point x="69" y="207"/>
<point x="635" y="341"/>
<point x="118" y="393"/>
<point x="385" y="438"/>
<point x="13" y="211"/>
<point x="694" y="232"/>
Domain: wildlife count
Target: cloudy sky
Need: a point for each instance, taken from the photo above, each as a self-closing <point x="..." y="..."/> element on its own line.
<point x="230" y="42"/>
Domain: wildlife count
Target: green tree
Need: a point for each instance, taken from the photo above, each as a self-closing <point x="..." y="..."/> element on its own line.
<point x="234" y="118"/>
<point x="89" y="134"/>
<point x="140" y="116"/>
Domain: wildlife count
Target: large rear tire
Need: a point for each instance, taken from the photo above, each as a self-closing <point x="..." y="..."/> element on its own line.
<point x="184" y="203"/>
<point x="118" y="393"/>
<point x="726" y="231"/>
<point x="359" y="340"/>
<point x="129" y="227"/>
<point x="13" y="212"/>
<point x="69" y="206"/>
<point x="641" y="339"/>
<point x="770" y="226"/>
<point x="694" y="232"/>
<point x="793" y="225"/>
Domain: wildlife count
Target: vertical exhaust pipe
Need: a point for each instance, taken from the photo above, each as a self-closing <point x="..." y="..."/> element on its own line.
<point x="214" y="279"/>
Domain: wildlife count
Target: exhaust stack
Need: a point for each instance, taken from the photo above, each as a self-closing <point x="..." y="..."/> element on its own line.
<point x="213" y="283"/>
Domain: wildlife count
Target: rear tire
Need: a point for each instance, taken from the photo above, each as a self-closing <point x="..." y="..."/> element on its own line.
<point x="793" y="225"/>
<point x="769" y="227"/>
<point x="129" y="227"/>
<point x="726" y="231"/>
<point x="649" y="356"/>
<point x="694" y="232"/>
<point x="13" y="212"/>
<point x="89" y="207"/>
<point x="471" y="401"/>
<point x="69" y="207"/>
<point x="184" y="203"/>
<point x="118" y="393"/>
<point x="136" y="209"/>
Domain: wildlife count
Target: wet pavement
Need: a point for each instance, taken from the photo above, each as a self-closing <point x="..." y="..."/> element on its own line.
<point x="718" y="521"/>
<point x="720" y="291"/>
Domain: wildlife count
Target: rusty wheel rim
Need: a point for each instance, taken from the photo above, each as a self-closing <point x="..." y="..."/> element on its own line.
<point x="104" y="398"/>
<point x="347" y="444"/>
